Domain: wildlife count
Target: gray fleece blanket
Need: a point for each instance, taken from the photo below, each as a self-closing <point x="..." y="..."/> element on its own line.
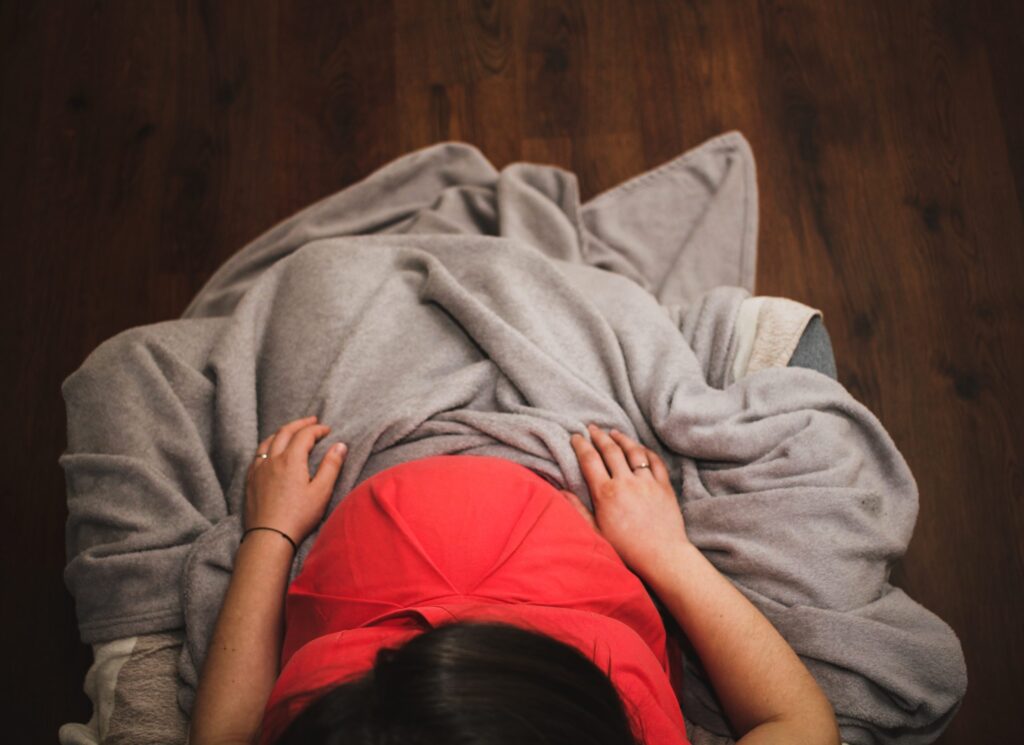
<point x="440" y="306"/>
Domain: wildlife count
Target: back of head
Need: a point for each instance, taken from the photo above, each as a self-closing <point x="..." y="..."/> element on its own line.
<point x="470" y="683"/>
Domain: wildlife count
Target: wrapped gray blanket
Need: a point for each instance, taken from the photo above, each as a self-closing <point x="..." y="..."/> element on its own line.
<point x="439" y="306"/>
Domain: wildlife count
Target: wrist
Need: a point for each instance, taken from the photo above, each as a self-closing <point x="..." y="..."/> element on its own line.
<point x="268" y="537"/>
<point x="671" y="561"/>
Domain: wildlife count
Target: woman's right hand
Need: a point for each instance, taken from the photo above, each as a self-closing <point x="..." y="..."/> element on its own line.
<point x="636" y="511"/>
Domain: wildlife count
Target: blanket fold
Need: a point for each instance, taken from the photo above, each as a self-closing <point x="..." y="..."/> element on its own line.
<point x="439" y="306"/>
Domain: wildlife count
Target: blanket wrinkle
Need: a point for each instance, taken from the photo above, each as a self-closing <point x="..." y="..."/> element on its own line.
<point x="441" y="306"/>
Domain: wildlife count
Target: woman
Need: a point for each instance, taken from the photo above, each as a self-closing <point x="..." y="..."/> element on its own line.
<point x="487" y="681"/>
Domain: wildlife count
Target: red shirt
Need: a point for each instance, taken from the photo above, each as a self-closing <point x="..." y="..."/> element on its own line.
<point x="459" y="537"/>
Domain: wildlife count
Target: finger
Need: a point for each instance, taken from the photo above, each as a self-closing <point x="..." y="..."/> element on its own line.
<point x="611" y="452"/>
<point x="658" y="467"/>
<point x="263" y="447"/>
<point x="302" y="442"/>
<point x="594" y="471"/>
<point x="284" y="435"/>
<point x="329" y="468"/>
<point x="635" y="452"/>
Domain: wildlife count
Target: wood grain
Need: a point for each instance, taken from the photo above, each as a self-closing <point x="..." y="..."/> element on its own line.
<point x="143" y="144"/>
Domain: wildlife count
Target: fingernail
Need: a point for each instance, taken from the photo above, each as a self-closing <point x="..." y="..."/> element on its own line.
<point x="339" y="448"/>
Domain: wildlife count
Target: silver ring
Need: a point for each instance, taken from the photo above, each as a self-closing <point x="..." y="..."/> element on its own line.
<point x="642" y="465"/>
<point x="262" y="455"/>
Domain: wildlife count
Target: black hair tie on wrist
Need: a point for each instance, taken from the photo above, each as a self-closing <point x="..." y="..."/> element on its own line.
<point x="295" y="549"/>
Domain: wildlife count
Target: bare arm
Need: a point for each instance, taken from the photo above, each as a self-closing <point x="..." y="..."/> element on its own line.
<point x="241" y="665"/>
<point x="766" y="691"/>
<point x="768" y="694"/>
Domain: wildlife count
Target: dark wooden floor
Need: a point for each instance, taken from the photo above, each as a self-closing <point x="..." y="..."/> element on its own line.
<point x="143" y="143"/>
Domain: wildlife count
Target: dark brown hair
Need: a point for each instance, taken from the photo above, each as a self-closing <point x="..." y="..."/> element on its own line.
<point x="471" y="683"/>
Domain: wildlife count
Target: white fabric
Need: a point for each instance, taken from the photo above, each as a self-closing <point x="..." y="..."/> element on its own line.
<point x="780" y="324"/>
<point x="745" y="331"/>
<point x="100" y="685"/>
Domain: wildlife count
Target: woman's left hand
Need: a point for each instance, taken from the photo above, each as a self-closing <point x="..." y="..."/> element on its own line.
<point x="279" y="493"/>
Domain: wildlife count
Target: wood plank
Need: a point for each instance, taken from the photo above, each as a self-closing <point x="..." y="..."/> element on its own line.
<point x="142" y="145"/>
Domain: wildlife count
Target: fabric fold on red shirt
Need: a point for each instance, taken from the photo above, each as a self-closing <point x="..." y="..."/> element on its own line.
<point x="460" y="537"/>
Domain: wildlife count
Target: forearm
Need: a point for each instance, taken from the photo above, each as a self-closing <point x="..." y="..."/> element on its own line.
<point x="242" y="662"/>
<point x="758" y="677"/>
